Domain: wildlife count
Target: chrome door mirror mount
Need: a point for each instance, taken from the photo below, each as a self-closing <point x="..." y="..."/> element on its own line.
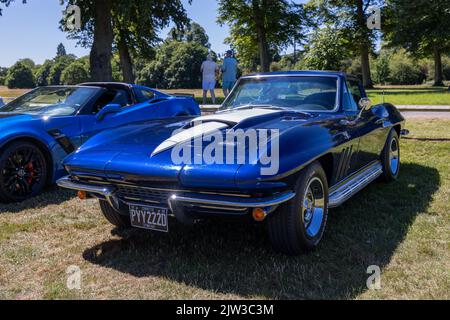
<point x="364" y="105"/>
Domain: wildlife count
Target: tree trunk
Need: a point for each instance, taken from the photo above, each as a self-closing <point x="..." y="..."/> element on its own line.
<point x="364" y="47"/>
<point x="263" y="50"/>
<point x="438" y="77"/>
<point x="100" y="57"/>
<point x="125" y="61"/>
<point x="365" y="67"/>
<point x="263" y="47"/>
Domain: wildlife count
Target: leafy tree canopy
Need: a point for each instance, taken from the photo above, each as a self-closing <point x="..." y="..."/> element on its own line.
<point x="75" y="73"/>
<point x="20" y="76"/>
<point x="260" y="26"/>
<point x="61" y="50"/>
<point x="193" y="32"/>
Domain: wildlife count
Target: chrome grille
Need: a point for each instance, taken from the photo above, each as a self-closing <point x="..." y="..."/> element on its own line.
<point x="141" y="194"/>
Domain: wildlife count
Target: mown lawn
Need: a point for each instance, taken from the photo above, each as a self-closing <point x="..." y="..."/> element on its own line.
<point x="413" y="95"/>
<point x="402" y="227"/>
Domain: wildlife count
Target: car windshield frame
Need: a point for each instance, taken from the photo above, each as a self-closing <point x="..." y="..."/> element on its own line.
<point x="226" y="107"/>
<point x="18" y="104"/>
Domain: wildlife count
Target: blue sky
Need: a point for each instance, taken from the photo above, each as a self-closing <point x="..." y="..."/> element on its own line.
<point x="31" y="30"/>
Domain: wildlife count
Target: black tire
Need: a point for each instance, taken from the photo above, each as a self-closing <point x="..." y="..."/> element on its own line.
<point x="114" y="217"/>
<point x="391" y="168"/>
<point x="23" y="171"/>
<point x="288" y="229"/>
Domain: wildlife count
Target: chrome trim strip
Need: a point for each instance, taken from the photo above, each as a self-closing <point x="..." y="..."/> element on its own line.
<point x="232" y="201"/>
<point x="355" y="184"/>
<point x="168" y="189"/>
<point x="200" y="199"/>
<point x="68" y="183"/>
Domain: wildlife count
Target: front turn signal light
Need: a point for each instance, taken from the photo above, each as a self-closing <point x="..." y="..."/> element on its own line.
<point x="82" y="195"/>
<point x="259" y="214"/>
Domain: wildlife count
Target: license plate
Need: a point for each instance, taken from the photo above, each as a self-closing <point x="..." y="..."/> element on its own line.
<point x="150" y="218"/>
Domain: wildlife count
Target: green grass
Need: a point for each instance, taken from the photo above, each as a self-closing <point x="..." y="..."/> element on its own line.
<point x="411" y="95"/>
<point x="401" y="227"/>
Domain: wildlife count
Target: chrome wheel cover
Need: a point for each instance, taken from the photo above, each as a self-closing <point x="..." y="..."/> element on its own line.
<point x="313" y="207"/>
<point x="394" y="156"/>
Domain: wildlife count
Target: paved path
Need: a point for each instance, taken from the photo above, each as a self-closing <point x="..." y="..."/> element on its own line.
<point x="426" y="115"/>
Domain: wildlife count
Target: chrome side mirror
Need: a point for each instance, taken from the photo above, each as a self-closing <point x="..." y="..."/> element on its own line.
<point x="365" y="104"/>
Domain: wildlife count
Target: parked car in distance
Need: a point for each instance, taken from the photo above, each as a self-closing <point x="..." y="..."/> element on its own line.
<point x="332" y="143"/>
<point x="39" y="129"/>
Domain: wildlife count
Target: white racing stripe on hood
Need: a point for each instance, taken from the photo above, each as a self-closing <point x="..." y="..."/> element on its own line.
<point x="237" y="116"/>
<point x="188" y="134"/>
<point x="203" y="128"/>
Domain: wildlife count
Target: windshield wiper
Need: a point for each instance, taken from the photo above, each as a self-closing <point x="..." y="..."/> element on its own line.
<point x="254" y="106"/>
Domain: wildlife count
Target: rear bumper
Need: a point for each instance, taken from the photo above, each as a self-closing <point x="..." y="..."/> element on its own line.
<point x="232" y="204"/>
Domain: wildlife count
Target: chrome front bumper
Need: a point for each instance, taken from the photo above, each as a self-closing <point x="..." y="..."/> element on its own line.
<point x="108" y="193"/>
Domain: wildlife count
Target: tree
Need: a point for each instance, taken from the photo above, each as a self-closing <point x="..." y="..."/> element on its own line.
<point x="382" y="69"/>
<point x="350" y="16"/>
<point x="75" y="73"/>
<point x="60" y="50"/>
<point x="132" y="26"/>
<point x="20" y="76"/>
<point x="193" y="32"/>
<point x="177" y="65"/>
<point x="3" y="73"/>
<point x="54" y="77"/>
<point x="43" y="72"/>
<point x="404" y="70"/>
<point x="325" y="50"/>
<point x="261" y="26"/>
<point x="28" y="62"/>
<point x="422" y="27"/>
<point x="137" y="34"/>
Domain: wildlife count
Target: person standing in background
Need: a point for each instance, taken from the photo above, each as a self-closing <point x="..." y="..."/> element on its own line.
<point x="209" y="69"/>
<point x="229" y="73"/>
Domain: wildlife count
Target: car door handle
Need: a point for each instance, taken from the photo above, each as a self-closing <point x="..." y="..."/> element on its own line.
<point x="380" y="121"/>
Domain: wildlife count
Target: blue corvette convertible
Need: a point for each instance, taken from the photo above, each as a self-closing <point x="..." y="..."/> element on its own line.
<point x="40" y="128"/>
<point x="284" y="148"/>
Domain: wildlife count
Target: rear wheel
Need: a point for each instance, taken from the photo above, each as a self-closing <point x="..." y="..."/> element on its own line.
<point x="299" y="224"/>
<point x="114" y="217"/>
<point x="23" y="172"/>
<point x="390" y="157"/>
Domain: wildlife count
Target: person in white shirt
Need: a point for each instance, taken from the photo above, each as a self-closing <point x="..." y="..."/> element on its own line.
<point x="209" y="70"/>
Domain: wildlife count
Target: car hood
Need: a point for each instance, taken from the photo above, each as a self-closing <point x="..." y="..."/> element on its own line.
<point x="143" y="151"/>
<point x="10" y="122"/>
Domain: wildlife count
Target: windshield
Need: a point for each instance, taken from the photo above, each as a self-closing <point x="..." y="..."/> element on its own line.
<point x="298" y="93"/>
<point x="51" y="101"/>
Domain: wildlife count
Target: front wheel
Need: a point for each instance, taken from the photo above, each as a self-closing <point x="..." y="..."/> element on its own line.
<point x="390" y="158"/>
<point x="23" y="172"/>
<point x="114" y="217"/>
<point x="299" y="224"/>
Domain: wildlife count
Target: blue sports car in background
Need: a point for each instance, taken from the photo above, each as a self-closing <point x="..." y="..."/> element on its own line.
<point x="327" y="142"/>
<point x="40" y="128"/>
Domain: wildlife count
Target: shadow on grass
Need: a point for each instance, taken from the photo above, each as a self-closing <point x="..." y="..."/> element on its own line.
<point x="236" y="258"/>
<point x="51" y="195"/>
